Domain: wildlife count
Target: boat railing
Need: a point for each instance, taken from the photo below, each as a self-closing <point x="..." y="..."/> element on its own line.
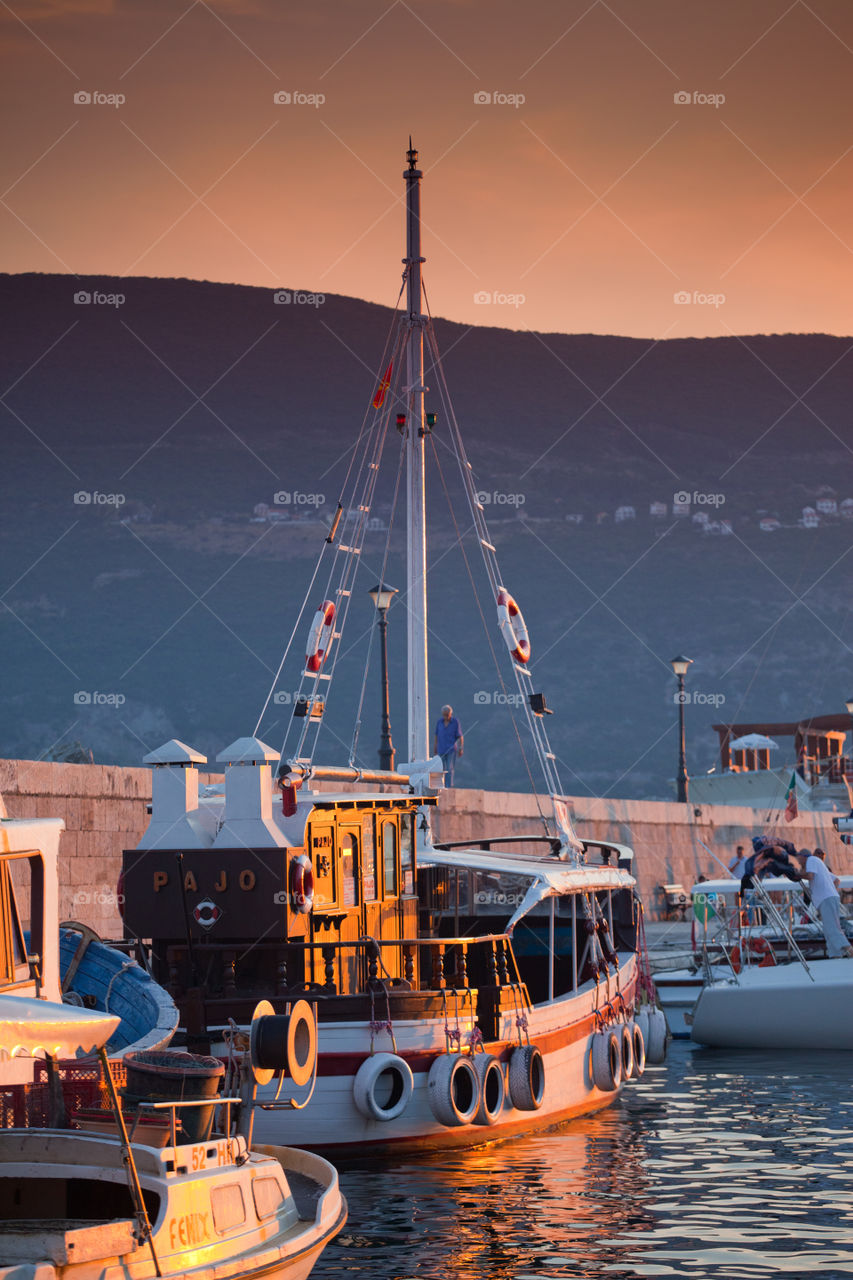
<point x="443" y="962"/>
<point x="772" y="913"/>
<point x="143" y="1108"/>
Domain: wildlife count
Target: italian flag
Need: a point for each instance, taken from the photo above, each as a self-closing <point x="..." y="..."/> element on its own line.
<point x="381" y="390"/>
<point x="791" y="800"/>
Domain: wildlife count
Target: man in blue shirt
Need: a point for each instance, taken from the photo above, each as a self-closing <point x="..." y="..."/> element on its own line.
<point x="448" y="742"/>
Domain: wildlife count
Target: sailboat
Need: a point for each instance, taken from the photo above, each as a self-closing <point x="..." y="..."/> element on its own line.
<point x="441" y="1022"/>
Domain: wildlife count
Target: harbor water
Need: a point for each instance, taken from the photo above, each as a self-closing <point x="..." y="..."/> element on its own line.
<point x="720" y="1165"/>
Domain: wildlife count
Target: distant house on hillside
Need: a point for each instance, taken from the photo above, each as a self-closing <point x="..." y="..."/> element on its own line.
<point x="260" y="513"/>
<point x="625" y="513"/>
<point x="658" y="510"/>
<point x="827" y="506"/>
<point x="602" y="517"/>
<point x="809" y="519"/>
<point x="769" y="524"/>
<point x="574" y="518"/>
<point x="700" y="519"/>
<point x="376" y="525"/>
<point x="680" y="508"/>
<point x="846" y="509"/>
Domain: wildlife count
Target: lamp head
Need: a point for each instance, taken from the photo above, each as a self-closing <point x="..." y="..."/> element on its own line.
<point x="382" y="595"/>
<point x="680" y="665"/>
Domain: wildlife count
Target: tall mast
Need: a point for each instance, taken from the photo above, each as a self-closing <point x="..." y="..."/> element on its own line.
<point x="419" y="744"/>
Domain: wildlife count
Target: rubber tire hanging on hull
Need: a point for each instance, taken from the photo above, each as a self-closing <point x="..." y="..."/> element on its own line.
<point x="383" y="1087"/>
<point x="453" y="1089"/>
<point x="639" y="1050"/>
<point x="526" y="1078"/>
<point x="626" y="1039"/>
<point x="606" y="1060"/>
<point x="656" y="1039"/>
<point x="492" y="1088"/>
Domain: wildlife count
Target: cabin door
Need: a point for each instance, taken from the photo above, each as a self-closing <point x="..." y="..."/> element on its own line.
<point x="371" y="884"/>
<point x="349" y="978"/>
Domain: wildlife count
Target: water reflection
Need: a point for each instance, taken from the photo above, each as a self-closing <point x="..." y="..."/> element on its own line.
<point x="718" y="1165"/>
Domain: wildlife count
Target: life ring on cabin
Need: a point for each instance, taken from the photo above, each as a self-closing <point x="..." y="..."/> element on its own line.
<point x="606" y="1060"/>
<point x="756" y="947"/>
<point x="513" y="628"/>
<point x="320" y="636"/>
<point x="639" y="1050"/>
<point x="492" y="1087"/>
<point x="383" y="1086"/>
<point x="453" y="1089"/>
<point x="526" y="1077"/>
<point x="301" y="881"/>
<point x="626" y="1037"/>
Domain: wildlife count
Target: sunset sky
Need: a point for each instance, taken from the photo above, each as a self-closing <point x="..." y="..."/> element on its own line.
<point x="582" y="197"/>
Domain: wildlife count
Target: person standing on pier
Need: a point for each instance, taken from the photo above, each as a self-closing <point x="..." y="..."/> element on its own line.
<point x="448" y="742"/>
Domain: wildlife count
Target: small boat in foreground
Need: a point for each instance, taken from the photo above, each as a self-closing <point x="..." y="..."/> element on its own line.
<point x="77" y="1204"/>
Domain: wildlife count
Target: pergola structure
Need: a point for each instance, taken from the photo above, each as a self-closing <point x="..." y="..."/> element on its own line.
<point x="818" y="746"/>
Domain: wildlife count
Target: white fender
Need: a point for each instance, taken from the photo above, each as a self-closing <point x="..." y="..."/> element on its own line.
<point x="492" y="1089"/>
<point x="626" y="1037"/>
<point x="641" y="1020"/>
<point x="606" y="1060"/>
<point x="639" y="1051"/>
<point x="383" y="1087"/>
<point x="526" y="1078"/>
<point x="453" y="1089"/>
<point x="656" y="1039"/>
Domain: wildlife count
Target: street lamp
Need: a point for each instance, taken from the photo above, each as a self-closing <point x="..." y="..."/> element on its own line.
<point x="382" y="595"/>
<point x="679" y="666"/>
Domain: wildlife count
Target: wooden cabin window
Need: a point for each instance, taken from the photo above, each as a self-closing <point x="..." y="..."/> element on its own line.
<point x="407" y="851"/>
<point x="13" y="953"/>
<point x="368" y="861"/>
<point x="389" y="857"/>
<point x="349" y="868"/>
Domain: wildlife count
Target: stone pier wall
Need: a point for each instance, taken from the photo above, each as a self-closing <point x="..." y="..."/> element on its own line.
<point x="104" y="808"/>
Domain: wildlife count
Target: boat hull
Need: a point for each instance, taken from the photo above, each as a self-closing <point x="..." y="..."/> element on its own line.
<point x="779" y="1007"/>
<point x="562" y="1030"/>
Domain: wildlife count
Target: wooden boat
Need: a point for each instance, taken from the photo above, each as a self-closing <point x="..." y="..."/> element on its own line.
<point x="445" y="1016"/>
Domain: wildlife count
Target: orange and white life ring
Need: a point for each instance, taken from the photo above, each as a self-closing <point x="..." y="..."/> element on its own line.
<point x="756" y="947"/>
<point x="320" y="636"/>
<point x="513" y="629"/>
<point x="301" y="884"/>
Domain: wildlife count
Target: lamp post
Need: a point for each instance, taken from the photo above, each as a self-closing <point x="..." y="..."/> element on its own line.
<point x="382" y="595"/>
<point x="679" y="666"/>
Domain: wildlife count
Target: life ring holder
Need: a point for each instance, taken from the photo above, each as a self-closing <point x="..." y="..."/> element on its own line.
<point x="320" y="636"/>
<point x="513" y="628"/>
<point x="301" y="884"/>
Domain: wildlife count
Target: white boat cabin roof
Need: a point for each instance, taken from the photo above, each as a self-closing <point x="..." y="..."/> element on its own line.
<point x="773" y="884"/>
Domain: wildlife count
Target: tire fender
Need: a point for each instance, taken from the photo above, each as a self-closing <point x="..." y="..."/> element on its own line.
<point x="383" y="1087"/>
<point x="490" y="1074"/>
<point x="526" y="1078"/>
<point x="606" y="1060"/>
<point x="639" y="1050"/>
<point x="453" y="1089"/>
<point x="626" y="1040"/>
<point x="656" y="1039"/>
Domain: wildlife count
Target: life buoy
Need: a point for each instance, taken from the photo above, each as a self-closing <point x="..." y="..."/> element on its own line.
<point x="301" y="879"/>
<point x="639" y="1050"/>
<point x="513" y="629"/>
<point x="492" y="1089"/>
<point x="756" y="947"/>
<point x="383" y="1086"/>
<point x="320" y="636"/>
<point x="526" y="1077"/>
<point x="626" y="1037"/>
<point x="606" y="1060"/>
<point x="453" y="1088"/>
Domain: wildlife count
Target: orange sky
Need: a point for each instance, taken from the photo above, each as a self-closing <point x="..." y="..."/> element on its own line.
<point x="588" y="207"/>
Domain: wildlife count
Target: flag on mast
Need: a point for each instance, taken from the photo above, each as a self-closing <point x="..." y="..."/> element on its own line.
<point x="381" y="390"/>
<point x="791" y="810"/>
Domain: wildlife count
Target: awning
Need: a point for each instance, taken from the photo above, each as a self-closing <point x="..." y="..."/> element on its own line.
<point x="550" y="878"/>
<point x="32" y="1028"/>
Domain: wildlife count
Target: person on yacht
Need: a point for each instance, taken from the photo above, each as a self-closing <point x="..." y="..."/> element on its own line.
<point x="825" y="897"/>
